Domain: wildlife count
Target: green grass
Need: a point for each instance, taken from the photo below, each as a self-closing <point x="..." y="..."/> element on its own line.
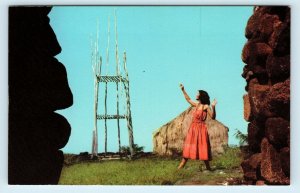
<point x="231" y="159"/>
<point x="151" y="171"/>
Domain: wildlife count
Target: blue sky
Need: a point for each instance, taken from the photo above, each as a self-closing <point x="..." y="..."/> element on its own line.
<point x="199" y="46"/>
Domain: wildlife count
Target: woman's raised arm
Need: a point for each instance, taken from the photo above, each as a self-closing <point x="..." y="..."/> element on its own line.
<point x="212" y="112"/>
<point x="186" y="96"/>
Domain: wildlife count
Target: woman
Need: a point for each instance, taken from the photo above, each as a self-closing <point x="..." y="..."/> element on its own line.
<point x="196" y="145"/>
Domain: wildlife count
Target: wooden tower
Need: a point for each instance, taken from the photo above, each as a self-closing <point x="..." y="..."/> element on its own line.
<point x="121" y="81"/>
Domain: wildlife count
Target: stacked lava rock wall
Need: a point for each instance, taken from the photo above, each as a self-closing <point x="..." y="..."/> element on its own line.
<point x="267" y="103"/>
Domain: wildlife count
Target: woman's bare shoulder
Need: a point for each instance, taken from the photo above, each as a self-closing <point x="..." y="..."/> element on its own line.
<point x="206" y="106"/>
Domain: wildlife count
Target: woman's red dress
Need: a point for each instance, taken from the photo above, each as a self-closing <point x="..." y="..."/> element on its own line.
<point x="196" y="145"/>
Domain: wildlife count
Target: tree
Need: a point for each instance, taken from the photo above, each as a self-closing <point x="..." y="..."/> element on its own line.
<point x="243" y="138"/>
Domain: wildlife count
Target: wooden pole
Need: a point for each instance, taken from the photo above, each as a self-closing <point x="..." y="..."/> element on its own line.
<point x="117" y="83"/>
<point x="95" y="153"/>
<point x="107" y="48"/>
<point x="97" y="71"/>
<point x="105" y="99"/>
<point x="96" y="64"/>
<point x="129" y="119"/>
<point x="92" y="62"/>
<point x="105" y="120"/>
<point x="98" y="75"/>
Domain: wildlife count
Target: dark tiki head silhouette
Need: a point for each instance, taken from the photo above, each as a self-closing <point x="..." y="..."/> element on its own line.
<point x="38" y="86"/>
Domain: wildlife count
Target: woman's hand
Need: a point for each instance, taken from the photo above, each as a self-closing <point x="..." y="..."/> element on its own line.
<point x="181" y="86"/>
<point x="214" y="103"/>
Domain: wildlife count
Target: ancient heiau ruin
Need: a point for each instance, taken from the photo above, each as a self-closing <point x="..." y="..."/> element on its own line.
<point x="267" y="103"/>
<point x="169" y="139"/>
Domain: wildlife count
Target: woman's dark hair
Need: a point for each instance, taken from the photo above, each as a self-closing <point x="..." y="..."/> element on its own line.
<point x="204" y="97"/>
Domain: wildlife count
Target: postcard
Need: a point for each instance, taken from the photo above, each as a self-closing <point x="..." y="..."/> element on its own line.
<point x="149" y="95"/>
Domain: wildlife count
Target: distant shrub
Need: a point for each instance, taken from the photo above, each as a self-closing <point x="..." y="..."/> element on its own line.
<point x="136" y="149"/>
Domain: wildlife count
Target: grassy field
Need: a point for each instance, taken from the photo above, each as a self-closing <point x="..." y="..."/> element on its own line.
<point x="153" y="171"/>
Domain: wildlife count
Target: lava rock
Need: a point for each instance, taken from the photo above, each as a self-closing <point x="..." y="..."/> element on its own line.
<point x="247" y="108"/>
<point x="271" y="168"/>
<point x="285" y="160"/>
<point x="277" y="131"/>
<point x="278" y="68"/>
<point x="256" y="132"/>
<point x="279" y="99"/>
<point x="253" y="50"/>
<point x="251" y="167"/>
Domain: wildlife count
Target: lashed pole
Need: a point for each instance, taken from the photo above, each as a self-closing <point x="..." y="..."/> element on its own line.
<point x="96" y="64"/>
<point x="105" y="99"/>
<point x="129" y="119"/>
<point x="117" y="83"/>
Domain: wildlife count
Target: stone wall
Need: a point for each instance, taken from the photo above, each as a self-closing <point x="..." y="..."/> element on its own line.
<point x="267" y="103"/>
<point x="38" y="86"/>
<point x="168" y="140"/>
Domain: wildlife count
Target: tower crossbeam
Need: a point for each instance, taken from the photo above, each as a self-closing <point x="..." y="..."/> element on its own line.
<point x="111" y="79"/>
<point x="111" y="117"/>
